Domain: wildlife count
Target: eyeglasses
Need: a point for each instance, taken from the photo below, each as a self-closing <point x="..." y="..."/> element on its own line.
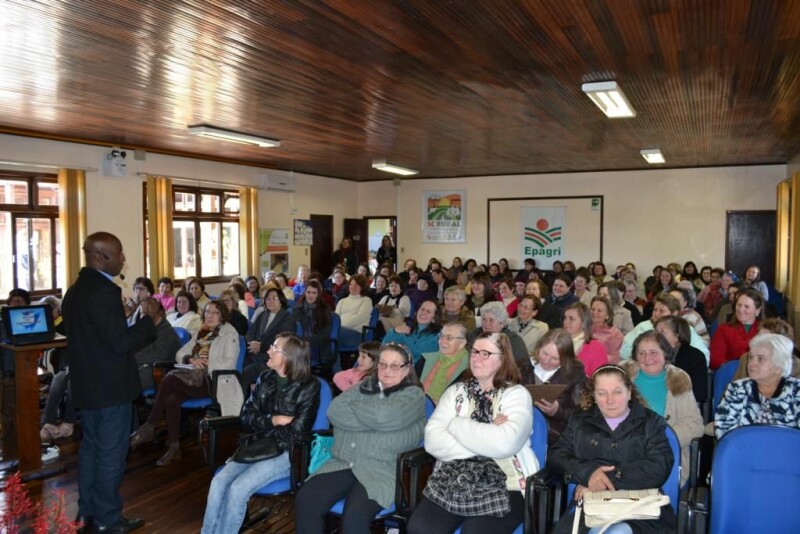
<point x="449" y="338"/>
<point x="275" y="348"/>
<point x="383" y="366"/>
<point x="484" y="354"/>
<point x="272" y="299"/>
<point x="139" y="288"/>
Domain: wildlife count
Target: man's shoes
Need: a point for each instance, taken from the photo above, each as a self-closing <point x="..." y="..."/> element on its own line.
<point x="86" y="523"/>
<point x="123" y="526"/>
<point x="48" y="433"/>
<point x="145" y="434"/>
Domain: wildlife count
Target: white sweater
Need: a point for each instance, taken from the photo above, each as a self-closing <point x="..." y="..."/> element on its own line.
<point x="452" y="435"/>
<point x="354" y="311"/>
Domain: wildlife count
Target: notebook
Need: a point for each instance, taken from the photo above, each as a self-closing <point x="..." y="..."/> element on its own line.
<point x="548" y="392"/>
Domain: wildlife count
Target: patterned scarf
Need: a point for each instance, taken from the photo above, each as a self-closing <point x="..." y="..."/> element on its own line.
<point x="483" y="401"/>
<point x="203" y="343"/>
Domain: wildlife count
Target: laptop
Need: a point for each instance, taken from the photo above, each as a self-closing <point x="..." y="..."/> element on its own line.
<point x="28" y="325"/>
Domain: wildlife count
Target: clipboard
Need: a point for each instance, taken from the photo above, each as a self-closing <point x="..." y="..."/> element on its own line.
<point x="548" y="392"/>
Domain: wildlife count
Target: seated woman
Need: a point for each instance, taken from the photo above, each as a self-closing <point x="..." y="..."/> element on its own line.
<point x="214" y="347"/>
<point x="771" y="326"/>
<point x="730" y="340"/>
<point x="422" y="291"/>
<point x="368" y="353"/>
<point x="484" y="420"/>
<point x="633" y="303"/>
<point x="677" y="332"/>
<point x="614" y="291"/>
<point x="198" y="290"/>
<point x="380" y="288"/>
<point x="495" y="321"/>
<point x="241" y="298"/>
<point x="578" y="324"/>
<point x="230" y="298"/>
<point x="600" y="276"/>
<point x="505" y="294"/>
<point x="314" y="317"/>
<point x="185" y="315"/>
<point x="603" y="329"/>
<point x="284" y="404"/>
<point x="455" y="309"/>
<point x="628" y="449"/>
<point x="252" y="285"/>
<point x="394" y="308"/>
<point x="667" y="390"/>
<point x="273" y="320"/>
<point x="445" y="366"/>
<point x="480" y="292"/>
<point x="770" y="396"/>
<point x="548" y="313"/>
<point x="525" y="324"/>
<point x="580" y="286"/>
<point x="561" y="295"/>
<point x="354" y="311"/>
<point x="687" y="299"/>
<point x="372" y="423"/>
<point x="164" y="295"/>
<point x="752" y="279"/>
<point x="553" y="362"/>
<point x="421" y="335"/>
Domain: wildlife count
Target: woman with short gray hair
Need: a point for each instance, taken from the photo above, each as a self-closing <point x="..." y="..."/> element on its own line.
<point x="769" y="396"/>
<point x="494" y="319"/>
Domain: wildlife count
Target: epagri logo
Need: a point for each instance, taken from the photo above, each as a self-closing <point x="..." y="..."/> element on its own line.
<point x="542" y="235"/>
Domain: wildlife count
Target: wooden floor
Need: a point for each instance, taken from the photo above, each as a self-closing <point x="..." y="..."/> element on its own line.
<point x="171" y="499"/>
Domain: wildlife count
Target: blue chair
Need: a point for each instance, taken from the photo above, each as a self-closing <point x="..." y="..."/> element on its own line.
<point x="755" y="484"/>
<point x="250" y="311"/>
<point x="207" y="402"/>
<point x="368" y="332"/>
<point x="183" y="335"/>
<point x="722" y="377"/>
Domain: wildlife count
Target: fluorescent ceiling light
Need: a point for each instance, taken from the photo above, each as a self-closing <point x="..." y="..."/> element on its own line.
<point x="381" y="165"/>
<point x="652" y="155"/>
<point x="234" y="137"/>
<point x="609" y="98"/>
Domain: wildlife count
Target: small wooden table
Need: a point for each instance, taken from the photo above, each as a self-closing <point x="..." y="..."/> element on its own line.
<point x="26" y="409"/>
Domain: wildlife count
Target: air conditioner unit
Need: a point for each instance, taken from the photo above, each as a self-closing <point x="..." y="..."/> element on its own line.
<point x="280" y="181"/>
<point x="114" y="163"/>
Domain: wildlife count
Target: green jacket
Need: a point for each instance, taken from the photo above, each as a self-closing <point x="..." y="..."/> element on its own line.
<point x="370" y="429"/>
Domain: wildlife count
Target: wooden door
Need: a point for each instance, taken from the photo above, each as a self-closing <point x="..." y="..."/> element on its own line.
<point x="750" y="240"/>
<point x="356" y="230"/>
<point x="322" y="247"/>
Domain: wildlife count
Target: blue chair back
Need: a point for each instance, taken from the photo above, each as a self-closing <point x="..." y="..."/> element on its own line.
<point x="183" y="335"/>
<point x="430" y="406"/>
<point x="258" y="303"/>
<point x="242" y="354"/>
<point x="756" y="485"/>
<point x="298" y="329"/>
<point x="539" y="436"/>
<point x="369" y="331"/>
<point x="250" y="311"/>
<point x="722" y="377"/>
<point x="325" y="398"/>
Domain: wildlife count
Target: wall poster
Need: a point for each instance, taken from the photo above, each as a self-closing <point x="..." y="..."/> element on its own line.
<point x="444" y="216"/>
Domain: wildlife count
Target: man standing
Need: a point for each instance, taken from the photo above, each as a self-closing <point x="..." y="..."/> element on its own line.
<point x="105" y="381"/>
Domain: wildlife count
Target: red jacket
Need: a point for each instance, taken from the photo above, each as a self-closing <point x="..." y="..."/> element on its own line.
<point x="730" y="342"/>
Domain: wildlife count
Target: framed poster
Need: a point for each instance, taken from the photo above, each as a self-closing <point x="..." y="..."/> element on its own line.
<point x="444" y="216"/>
<point x="303" y="233"/>
<point x="273" y="249"/>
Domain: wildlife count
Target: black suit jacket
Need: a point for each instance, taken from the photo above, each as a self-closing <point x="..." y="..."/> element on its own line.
<point x="283" y="322"/>
<point x="103" y="370"/>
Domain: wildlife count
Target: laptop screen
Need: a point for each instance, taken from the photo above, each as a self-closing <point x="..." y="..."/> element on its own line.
<point x="28" y="324"/>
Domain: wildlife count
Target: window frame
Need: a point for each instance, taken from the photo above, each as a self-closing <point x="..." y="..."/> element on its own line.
<point x="197" y="217"/>
<point x="33" y="210"/>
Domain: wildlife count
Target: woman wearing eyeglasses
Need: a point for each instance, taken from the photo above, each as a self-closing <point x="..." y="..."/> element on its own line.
<point x="214" y="347"/>
<point x="480" y="435"/>
<point x="445" y="366"/>
<point x="275" y="319"/>
<point x="373" y="422"/>
<point x="283" y="406"/>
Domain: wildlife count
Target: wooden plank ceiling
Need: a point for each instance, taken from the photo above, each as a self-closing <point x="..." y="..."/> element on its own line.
<point x="450" y="88"/>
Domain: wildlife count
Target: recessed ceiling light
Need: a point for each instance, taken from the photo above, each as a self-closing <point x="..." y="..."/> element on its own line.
<point x="652" y="156"/>
<point x="610" y="99"/>
<point x="381" y="165"/>
<point x="233" y="137"/>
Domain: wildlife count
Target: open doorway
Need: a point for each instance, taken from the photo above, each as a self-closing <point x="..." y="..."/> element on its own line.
<point x="377" y="227"/>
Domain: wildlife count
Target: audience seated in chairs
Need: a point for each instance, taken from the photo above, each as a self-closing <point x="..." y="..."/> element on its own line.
<point x="214" y="347"/>
<point x="421" y="335"/>
<point x="275" y="319"/>
<point x="368" y="353"/>
<point x="730" y="340"/>
<point x="394" y="308"/>
<point x="164" y="294"/>
<point x="677" y="332"/>
<point x="283" y="406"/>
<point x="373" y="422"/>
<point x="494" y="320"/>
<point x="445" y="366"/>
<point x="455" y="309"/>
<point x="578" y="324"/>
<point x="230" y="298"/>
<point x="355" y="311"/>
<point x="314" y="318"/>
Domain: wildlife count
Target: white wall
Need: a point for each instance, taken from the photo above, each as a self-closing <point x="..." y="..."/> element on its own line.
<point x="793" y="167"/>
<point x="651" y="217"/>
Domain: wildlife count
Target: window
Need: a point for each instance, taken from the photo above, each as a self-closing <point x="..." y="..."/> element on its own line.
<point x="29" y="237"/>
<point x="205" y="232"/>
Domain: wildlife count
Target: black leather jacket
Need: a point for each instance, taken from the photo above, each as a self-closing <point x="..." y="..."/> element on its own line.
<point x="299" y="399"/>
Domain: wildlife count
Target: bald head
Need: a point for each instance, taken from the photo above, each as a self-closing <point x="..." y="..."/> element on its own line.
<point x="103" y="251"/>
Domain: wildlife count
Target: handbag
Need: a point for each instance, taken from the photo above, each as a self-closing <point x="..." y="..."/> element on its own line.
<point x="605" y="508"/>
<point x="320" y="452"/>
<point x="255" y="448"/>
<point x="472" y="487"/>
<point x="191" y="377"/>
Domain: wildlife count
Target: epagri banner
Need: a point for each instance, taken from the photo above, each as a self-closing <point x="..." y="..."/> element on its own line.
<point x="543" y="235"/>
